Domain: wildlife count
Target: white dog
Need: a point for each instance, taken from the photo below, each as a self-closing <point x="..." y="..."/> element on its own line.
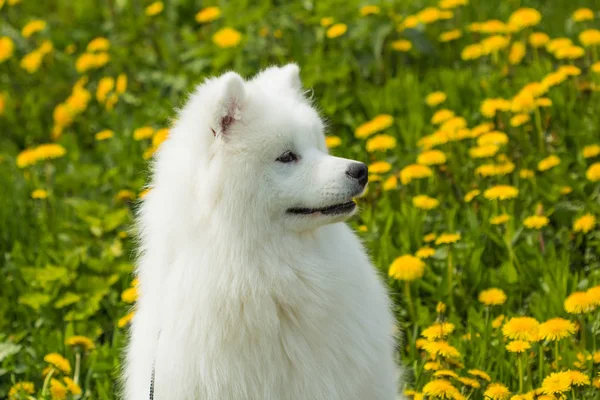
<point x="251" y="286"/>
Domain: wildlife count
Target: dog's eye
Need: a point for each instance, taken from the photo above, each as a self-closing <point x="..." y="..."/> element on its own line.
<point x="287" y="157"/>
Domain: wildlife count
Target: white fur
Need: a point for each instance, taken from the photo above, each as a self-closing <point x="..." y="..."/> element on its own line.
<point x="250" y="301"/>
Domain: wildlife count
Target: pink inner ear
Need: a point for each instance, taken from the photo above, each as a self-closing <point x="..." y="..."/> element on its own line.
<point x="225" y="122"/>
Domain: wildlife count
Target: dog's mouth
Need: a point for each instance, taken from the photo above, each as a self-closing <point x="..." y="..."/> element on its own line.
<point x="336" y="209"/>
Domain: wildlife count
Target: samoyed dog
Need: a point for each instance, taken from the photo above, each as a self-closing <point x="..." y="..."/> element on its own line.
<point x="251" y="286"/>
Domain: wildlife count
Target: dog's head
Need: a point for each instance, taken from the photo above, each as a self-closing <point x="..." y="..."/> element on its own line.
<point x="257" y="148"/>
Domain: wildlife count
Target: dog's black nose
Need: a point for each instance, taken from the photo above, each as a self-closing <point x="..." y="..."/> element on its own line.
<point x="358" y="171"/>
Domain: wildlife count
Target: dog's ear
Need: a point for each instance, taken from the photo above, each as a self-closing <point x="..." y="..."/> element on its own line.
<point x="229" y="105"/>
<point x="281" y="79"/>
<point x="290" y="76"/>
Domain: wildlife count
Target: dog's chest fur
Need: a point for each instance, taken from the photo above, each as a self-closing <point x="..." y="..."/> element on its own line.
<point x="297" y="334"/>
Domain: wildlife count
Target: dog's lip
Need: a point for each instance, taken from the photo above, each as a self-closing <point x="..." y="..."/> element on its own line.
<point x="341" y="208"/>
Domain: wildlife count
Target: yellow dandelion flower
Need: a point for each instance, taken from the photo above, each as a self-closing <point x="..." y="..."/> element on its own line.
<point x="380" y="167"/>
<point x="129" y="295"/>
<point x="227" y="37"/>
<point x="472" y="52"/>
<point x="518" y="346"/>
<point x="565" y="190"/>
<point x="556" y="382"/>
<point x="497" y="322"/>
<point x="590" y="37"/>
<point x="104" y="135"/>
<point x="556" y="329"/>
<point x="326" y="21"/>
<point x="578" y="378"/>
<point x="58" y="390"/>
<point x="494" y="43"/>
<point x="492" y="297"/>
<point x="593" y="172"/>
<point x="448" y="238"/>
<point x="538" y="39"/>
<point x="121" y="85"/>
<point x="471" y="195"/>
<point x="536" y="221"/>
<point x="83" y="342"/>
<point x="401" y="45"/>
<point x="578" y="303"/>
<point x="208" y="14"/>
<point x="155" y="8"/>
<point x="583" y="14"/>
<point x="425" y="252"/>
<point x="496" y="391"/>
<point x="380" y="143"/>
<point x="595" y="67"/>
<point x="7" y="47"/>
<point x="407" y="268"/>
<point x="124" y="321"/>
<point x="31" y="62"/>
<point x="379" y="123"/>
<point x="432" y="366"/>
<point x="431" y="157"/>
<point x="144" y="132"/>
<point x="33" y="27"/>
<point x="591" y="151"/>
<point x="521" y="328"/>
<point x="430" y="237"/>
<point x="517" y="53"/>
<point x="39" y="194"/>
<point x="20" y="388"/>
<point x="369" y="10"/>
<point x="446" y="373"/>
<point x="501" y="192"/>
<point x="159" y="137"/>
<point x="59" y="362"/>
<point x="332" y="142"/>
<point x="450" y="4"/>
<point x="125" y="195"/>
<point x="494" y="137"/>
<point x="440" y="388"/>
<point x="425" y="202"/>
<point x="519" y="120"/>
<point x="584" y="223"/>
<point x="484" y="151"/>
<point x="390" y="183"/>
<point x="336" y="30"/>
<point x="469" y="382"/>
<point x="144" y="193"/>
<point x="526" y="173"/>
<point x="105" y="85"/>
<point x="500" y="219"/>
<point x="435" y="98"/>
<point x="442" y="116"/>
<point x="72" y="386"/>
<point x="449" y="36"/>
<point x="438" y="331"/>
<point x="480" y="374"/>
<point x="440" y="307"/>
<point x="414" y="171"/>
<point x="98" y="44"/>
<point x="441" y="348"/>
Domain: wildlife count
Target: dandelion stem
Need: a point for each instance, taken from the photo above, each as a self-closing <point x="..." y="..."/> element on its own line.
<point x="450" y="268"/>
<point x="538" y="125"/>
<point x="582" y="327"/>
<point x="520" y="357"/>
<point x="556" y="353"/>
<point x="46" y="382"/>
<point x="411" y="306"/>
<point x="541" y="367"/>
<point x="77" y="366"/>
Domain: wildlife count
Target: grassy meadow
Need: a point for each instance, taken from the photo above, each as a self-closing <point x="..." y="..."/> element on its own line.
<point x="479" y="120"/>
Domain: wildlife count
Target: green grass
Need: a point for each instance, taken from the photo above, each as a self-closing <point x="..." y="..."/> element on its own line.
<point x="66" y="259"/>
